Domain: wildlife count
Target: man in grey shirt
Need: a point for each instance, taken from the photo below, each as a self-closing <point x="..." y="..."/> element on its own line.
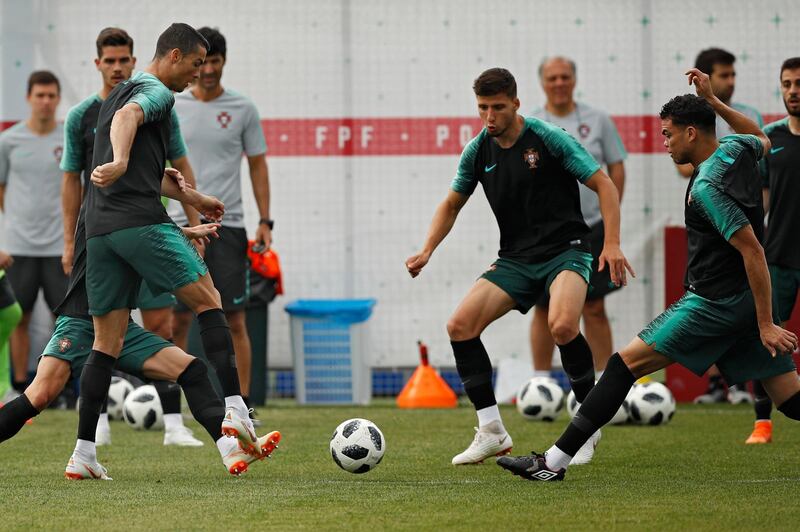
<point x="595" y="130"/>
<point x="219" y="125"/>
<point x="30" y="196"/>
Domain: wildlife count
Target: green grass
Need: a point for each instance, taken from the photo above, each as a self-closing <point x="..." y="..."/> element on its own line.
<point x="693" y="474"/>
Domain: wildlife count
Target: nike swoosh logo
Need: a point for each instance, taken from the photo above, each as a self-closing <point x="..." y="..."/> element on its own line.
<point x="503" y="439"/>
<point x="776" y="150"/>
<point x="489" y="168"/>
<point x="237" y="300"/>
<point x="89" y="469"/>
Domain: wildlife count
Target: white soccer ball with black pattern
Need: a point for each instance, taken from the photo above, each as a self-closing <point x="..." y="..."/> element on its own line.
<point x="117" y="393"/>
<point x="142" y="408"/>
<point x="357" y="445"/>
<point x="541" y="398"/>
<point x="651" y="404"/>
<point x="621" y="417"/>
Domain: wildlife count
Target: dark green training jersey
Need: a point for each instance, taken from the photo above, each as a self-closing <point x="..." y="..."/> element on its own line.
<point x="80" y="127"/>
<point x="724" y="195"/>
<point x="76" y="301"/>
<point x="532" y="188"/>
<point x="781" y="173"/>
<point x="134" y="200"/>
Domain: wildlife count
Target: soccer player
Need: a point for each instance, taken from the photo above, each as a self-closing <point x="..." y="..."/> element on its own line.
<point x="131" y="238"/>
<point x="115" y="62"/>
<point x="596" y="132"/>
<point x="144" y="354"/>
<point x="725" y="317"/>
<point x="220" y="125"/>
<point x="29" y="196"/>
<point x="781" y="170"/>
<point x="530" y="171"/>
<point x="718" y="64"/>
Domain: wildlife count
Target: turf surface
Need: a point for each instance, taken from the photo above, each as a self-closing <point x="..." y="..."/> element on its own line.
<point x="693" y="474"/>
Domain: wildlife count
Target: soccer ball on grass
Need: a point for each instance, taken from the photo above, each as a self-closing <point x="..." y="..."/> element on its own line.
<point x="357" y="445"/>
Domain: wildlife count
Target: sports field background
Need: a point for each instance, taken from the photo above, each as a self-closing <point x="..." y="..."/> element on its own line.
<point x="367" y="103"/>
<point x="692" y="474"/>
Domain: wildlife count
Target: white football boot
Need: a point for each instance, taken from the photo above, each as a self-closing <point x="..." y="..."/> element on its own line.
<point x="241" y="428"/>
<point x="77" y="469"/>
<point x="182" y="437"/>
<point x="236" y="461"/>
<point x="490" y="440"/>
<point x="586" y="452"/>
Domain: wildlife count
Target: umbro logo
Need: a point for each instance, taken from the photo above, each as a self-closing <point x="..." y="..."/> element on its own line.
<point x="545" y="475"/>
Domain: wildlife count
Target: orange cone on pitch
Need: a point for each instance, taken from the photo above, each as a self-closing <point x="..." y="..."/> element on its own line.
<point x="425" y="388"/>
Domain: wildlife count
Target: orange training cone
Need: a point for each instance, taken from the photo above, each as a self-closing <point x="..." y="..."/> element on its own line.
<point x="425" y="388"/>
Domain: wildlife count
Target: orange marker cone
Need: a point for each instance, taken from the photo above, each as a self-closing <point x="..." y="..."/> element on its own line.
<point x="425" y="388"/>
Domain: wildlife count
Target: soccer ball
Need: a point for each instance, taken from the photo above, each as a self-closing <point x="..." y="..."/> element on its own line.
<point x="620" y="418"/>
<point x="357" y="445"/>
<point x="540" y="398"/>
<point x="117" y="392"/>
<point x="142" y="408"/>
<point x="651" y="404"/>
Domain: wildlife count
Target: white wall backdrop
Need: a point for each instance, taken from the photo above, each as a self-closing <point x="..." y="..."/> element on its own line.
<point x="345" y="224"/>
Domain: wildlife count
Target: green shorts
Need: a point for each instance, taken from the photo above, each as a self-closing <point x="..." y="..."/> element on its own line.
<point x="149" y="301"/>
<point x="526" y="283"/>
<point x="697" y="332"/>
<point x="73" y="338"/>
<point x="785" y="283"/>
<point x="118" y="261"/>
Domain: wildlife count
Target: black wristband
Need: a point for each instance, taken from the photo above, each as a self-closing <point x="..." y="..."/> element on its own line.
<point x="266" y="221"/>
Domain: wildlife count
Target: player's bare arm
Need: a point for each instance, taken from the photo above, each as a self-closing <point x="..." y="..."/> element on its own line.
<point x="71" y="196"/>
<point x="739" y="122"/>
<point x="6" y="260"/>
<point x="616" y="171"/>
<point x="208" y="206"/>
<point x="774" y="338"/>
<point x="443" y="220"/>
<point x="612" y="256"/>
<point x="259" y="176"/>
<point x="123" y="130"/>
<point x="202" y="232"/>
<point x="182" y="165"/>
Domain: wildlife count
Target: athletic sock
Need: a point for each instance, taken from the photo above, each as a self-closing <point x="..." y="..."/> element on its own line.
<point x="226" y="445"/>
<point x="203" y="401"/>
<point x="542" y="373"/>
<point x="576" y="359"/>
<point x="170" y="395"/>
<point x="237" y="402"/>
<point x="102" y="423"/>
<point x="488" y="415"/>
<point x="172" y="422"/>
<point x="218" y="346"/>
<point x="86" y="450"/>
<point x="475" y="370"/>
<point x="791" y="407"/>
<point x="762" y="402"/>
<point x="95" y="380"/>
<point x="599" y="407"/>
<point x="13" y="416"/>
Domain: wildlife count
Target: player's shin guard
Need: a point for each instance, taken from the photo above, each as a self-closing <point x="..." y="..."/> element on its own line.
<point x="576" y="359"/>
<point x="791" y="407"/>
<point x="218" y="346"/>
<point x="763" y="404"/>
<point x="13" y="416"/>
<point x="599" y="407"/>
<point x="95" y="379"/>
<point x="475" y="370"/>
<point x="170" y="395"/>
<point x="206" y="406"/>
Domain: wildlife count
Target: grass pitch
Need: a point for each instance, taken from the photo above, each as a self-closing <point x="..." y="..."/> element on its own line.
<point x="693" y="474"/>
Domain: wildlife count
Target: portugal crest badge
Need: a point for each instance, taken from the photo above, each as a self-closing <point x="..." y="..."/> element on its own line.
<point x="64" y="344"/>
<point x="531" y="157"/>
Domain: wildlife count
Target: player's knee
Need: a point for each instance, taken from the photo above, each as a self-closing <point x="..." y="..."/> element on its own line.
<point x="460" y="329"/>
<point x="41" y="394"/>
<point x="236" y="321"/>
<point x="563" y="331"/>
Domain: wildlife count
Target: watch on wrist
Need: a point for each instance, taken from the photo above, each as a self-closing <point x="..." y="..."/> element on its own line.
<point x="266" y="221"/>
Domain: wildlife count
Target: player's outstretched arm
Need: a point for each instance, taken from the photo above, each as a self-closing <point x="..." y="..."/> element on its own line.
<point x="774" y="338"/>
<point x="739" y="122"/>
<point x="123" y="130"/>
<point x="611" y="256"/>
<point x="443" y="220"/>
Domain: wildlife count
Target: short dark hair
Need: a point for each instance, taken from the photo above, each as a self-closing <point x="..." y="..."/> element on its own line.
<point x="690" y="110"/>
<point x="215" y="40"/>
<point x="790" y="64"/>
<point x="181" y="36"/>
<point x="495" y="81"/>
<point x="713" y="56"/>
<point x="42" y="77"/>
<point x="113" y="37"/>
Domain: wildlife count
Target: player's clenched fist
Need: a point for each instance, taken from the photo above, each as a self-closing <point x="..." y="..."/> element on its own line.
<point x="415" y="263"/>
